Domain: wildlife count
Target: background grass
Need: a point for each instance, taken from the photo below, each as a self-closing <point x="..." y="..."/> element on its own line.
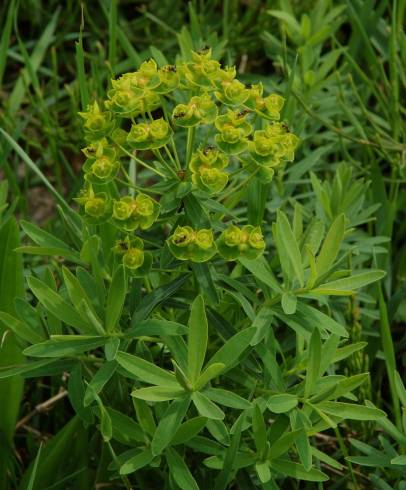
<point x="341" y="66"/>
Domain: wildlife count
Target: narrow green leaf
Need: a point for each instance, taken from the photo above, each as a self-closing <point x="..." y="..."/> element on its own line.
<point x="206" y="407"/>
<point x="125" y="429"/>
<point x="259" y="431"/>
<point x="346" y="286"/>
<point x="98" y="381"/>
<point x="34" y="469"/>
<point x="297" y="471"/>
<point x="135" y="463"/>
<point x="158" y="393"/>
<point x="21" y="329"/>
<point x="260" y="269"/>
<point x="263" y="471"/>
<point x="291" y="248"/>
<point x="197" y="339"/>
<point x="189" y="429"/>
<point x="289" y="302"/>
<point x="179" y="471"/>
<point x="282" y="403"/>
<point x="144" y="370"/>
<point x="169" y="424"/>
<point x="77" y="344"/>
<point x="227" y="398"/>
<point x="351" y="411"/>
<point x="229" y="353"/>
<point x="19" y="88"/>
<point x="313" y="363"/>
<point x="331" y="246"/>
<point x="283" y="444"/>
<point x="53" y="302"/>
<point x="400" y="388"/>
<point x="115" y="299"/>
<point x="208" y="374"/>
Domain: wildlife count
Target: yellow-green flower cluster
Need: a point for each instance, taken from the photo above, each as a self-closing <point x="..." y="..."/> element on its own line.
<point x="102" y="164"/>
<point x="207" y="167"/>
<point x="234" y="130"/>
<point x="199" y="110"/>
<point x="97" y="123"/>
<point x="187" y="124"/>
<point x="237" y="242"/>
<point x="135" y="259"/>
<point x="149" y="135"/>
<point x="130" y="213"/>
<point x="189" y="244"/>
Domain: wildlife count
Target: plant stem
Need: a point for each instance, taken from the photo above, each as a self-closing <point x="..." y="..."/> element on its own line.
<point x="189" y="145"/>
<point x="345" y="454"/>
<point x="389" y="352"/>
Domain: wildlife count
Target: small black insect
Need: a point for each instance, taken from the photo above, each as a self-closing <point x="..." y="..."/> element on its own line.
<point x="123" y="245"/>
<point x="285" y="126"/>
<point x="208" y="149"/>
<point x="180" y="239"/>
<point x="243" y="113"/>
<point x="170" y="68"/>
<point x="179" y="115"/>
<point x="204" y="49"/>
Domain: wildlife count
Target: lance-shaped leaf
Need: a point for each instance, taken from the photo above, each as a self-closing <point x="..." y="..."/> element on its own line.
<point x="78" y="296"/>
<point x="134" y="463"/>
<point x="313" y="363"/>
<point x="288" y="246"/>
<point x="115" y="299"/>
<point x="169" y="424"/>
<point x="331" y="246"/>
<point x="179" y="471"/>
<point x="227" y="398"/>
<point x="21" y="329"/>
<point x="297" y="471"/>
<point x="99" y="380"/>
<point x="282" y="403"/>
<point x="259" y="431"/>
<point x="144" y="370"/>
<point x="158" y="393"/>
<point x="54" y="303"/>
<point x="189" y="429"/>
<point x="351" y="411"/>
<point x="347" y="285"/>
<point x="206" y="407"/>
<point x="197" y="339"/>
<point x="65" y="345"/>
<point x="208" y="374"/>
<point x="229" y="353"/>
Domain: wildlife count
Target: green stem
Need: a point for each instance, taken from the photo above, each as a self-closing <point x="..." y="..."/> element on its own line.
<point x="141" y="162"/>
<point x="345" y="454"/>
<point x="177" y="165"/>
<point x="232" y="190"/>
<point x="189" y="145"/>
<point x="125" y="479"/>
<point x="389" y="352"/>
<point x="157" y="153"/>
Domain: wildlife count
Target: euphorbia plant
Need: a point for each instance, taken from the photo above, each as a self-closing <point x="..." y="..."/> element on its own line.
<point x="230" y="130"/>
<point x="237" y="387"/>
